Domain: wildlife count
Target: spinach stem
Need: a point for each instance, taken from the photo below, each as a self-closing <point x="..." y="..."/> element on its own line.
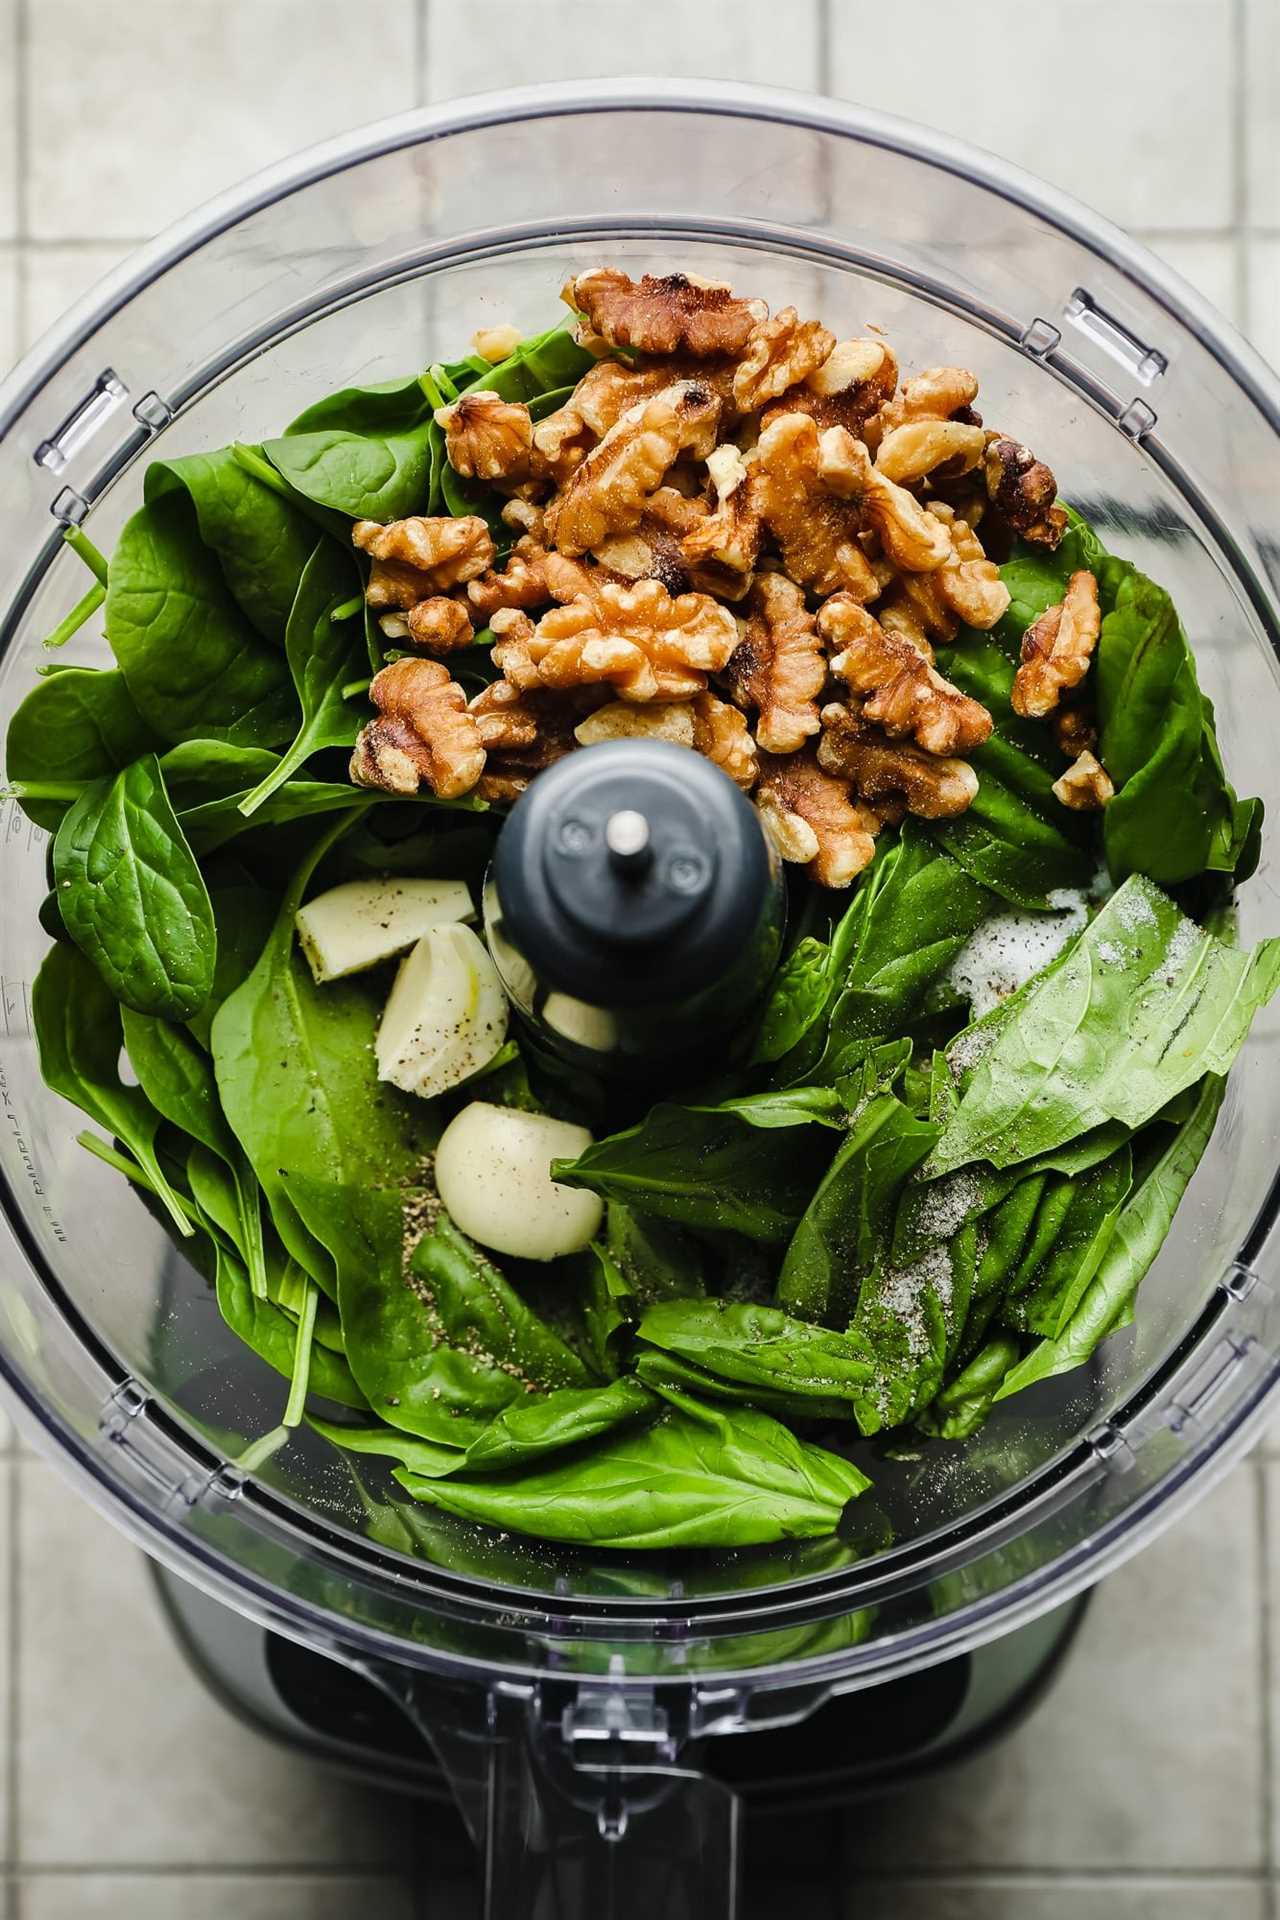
<point x="79" y="542"/>
<point x="82" y="611"/>
<point x="185" y="1217"/>
<point x="348" y="609"/>
<point x="301" y="1378"/>
<point x="43" y="790"/>
<point x="253" y="462"/>
<point x="261" y="1450"/>
<point x="353" y="687"/>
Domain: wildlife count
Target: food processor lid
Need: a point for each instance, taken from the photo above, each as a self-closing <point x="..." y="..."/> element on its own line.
<point x="1148" y="356"/>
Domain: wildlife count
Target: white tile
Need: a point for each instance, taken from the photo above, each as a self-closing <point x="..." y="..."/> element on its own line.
<point x="54" y="279"/>
<point x="125" y="1758"/>
<point x="11" y="346"/>
<point x="495" y="43"/>
<point x="1129" y="107"/>
<point x="162" y="1896"/>
<point x="1262" y="113"/>
<point x="10" y="119"/>
<point x="1147" y="1753"/>
<point x="1066" y="1899"/>
<point x="1208" y="261"/>
<point x="137" y="113"/>
<point x="1263" y="324"/>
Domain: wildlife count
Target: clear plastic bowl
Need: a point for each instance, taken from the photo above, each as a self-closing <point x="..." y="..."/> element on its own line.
<point x="381" y="252"/>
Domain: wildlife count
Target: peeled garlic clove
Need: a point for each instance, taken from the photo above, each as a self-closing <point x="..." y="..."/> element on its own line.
<point x="362" y="922"/>
<point x="446" y="1015"/>
<point x="493" y="1173"/>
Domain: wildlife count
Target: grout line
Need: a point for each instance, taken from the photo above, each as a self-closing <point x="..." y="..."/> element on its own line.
<point x="1240" y="157"/>
<point x="421" y="41"/>
<point x="1266" y="1679"/>
<point x="824" y="46"/>
<point x="13" y="1743"/>
<point x="22" y="131"/>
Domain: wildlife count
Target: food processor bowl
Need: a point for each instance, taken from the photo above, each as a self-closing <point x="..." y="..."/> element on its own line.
<point x="562" y="1688"/>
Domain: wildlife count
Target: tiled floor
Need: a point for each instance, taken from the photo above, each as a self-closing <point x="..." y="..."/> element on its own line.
<point x="1146" y="1786"/>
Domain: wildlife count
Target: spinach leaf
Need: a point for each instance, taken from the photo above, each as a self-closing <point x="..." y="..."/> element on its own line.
<point x="131" y="895"/>
<point x="443" y="1344"/>
<point x="543" y="364"/>
<point x="1174" y="813"/>
<point x="208" y="781"/>
<point x="1139" y="1233"/>
<point x="707" y="1167"/>
<point x="655" y="1261"/>
<point x="822" y="1373"/>
<point x="699" y="1476"/>
<point x="78" y="725"/>
<point x="177" y="1078"/>
<point x="76" y="1022"/>
<point x="1092" y="1042"/>
<point x="323" y="655"/>
<point x="846" y="1225"/>
<point x="273" y="1335"/>
<point x="244" y="914"/>
<point x="364" y="451"/>
<point x="193" y="664"/>
<point x="298" y="1082"/>
<point x="262" y="543"/>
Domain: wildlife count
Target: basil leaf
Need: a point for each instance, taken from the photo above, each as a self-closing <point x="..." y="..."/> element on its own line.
<point x="192" y="662"/>
<point x="1139" y="1234"/>
<point x="80" y="724"/>
<point x="697" y="1476"/>
<point x="796" y="1000"/>
<point x="76" y="1022"/>
<point x="1091" y="1043"/>
<point x="847" y="1222"/>
<point x="1052" y="1279"/>
<point x="1174" y="814"/>
<point x="707" y="1167"/>
<point x="131" y="895"/>
<point x="962" y="1406"/>
<point x="822" y="1373"/>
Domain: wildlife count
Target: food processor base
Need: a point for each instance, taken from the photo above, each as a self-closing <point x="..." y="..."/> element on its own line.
<point x="855" y="1746"/>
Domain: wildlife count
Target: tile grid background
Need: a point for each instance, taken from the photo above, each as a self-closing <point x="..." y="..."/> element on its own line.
<point x="1148" y="1786"/>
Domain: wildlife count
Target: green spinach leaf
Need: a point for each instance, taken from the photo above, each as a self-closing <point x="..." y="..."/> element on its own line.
<point x="262" y="543"/>
<point x="131" y="895"/>
<point x="273" y="1335"/>
<point x="76" y="1021"/>
<point x="78" y="725"/>
<point x="323" y="654"/>
<point x="364" y="451"/>
<point x="192" y="662"/>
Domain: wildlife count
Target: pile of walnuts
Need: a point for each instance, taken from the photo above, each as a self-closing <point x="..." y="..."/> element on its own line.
<point x="746" y="537"/>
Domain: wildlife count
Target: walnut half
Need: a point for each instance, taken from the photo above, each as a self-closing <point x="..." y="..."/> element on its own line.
<point x="1024" y="490"/>
<point x="606" y="493"/>
<point x="636" y="638"/>
<point x="1057" y="648"/>
<point x="907" y="695"/>
<point x="936" y="788"/>
<point x="674" y="313"/>
<point x="421" y="555"/>
<point x="423" y="734"/>
<point x="487" y="437"/>
<point x="812" y="819"/>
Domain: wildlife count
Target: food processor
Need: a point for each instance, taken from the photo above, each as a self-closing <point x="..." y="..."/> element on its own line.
<point x="603" y="1719"/>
